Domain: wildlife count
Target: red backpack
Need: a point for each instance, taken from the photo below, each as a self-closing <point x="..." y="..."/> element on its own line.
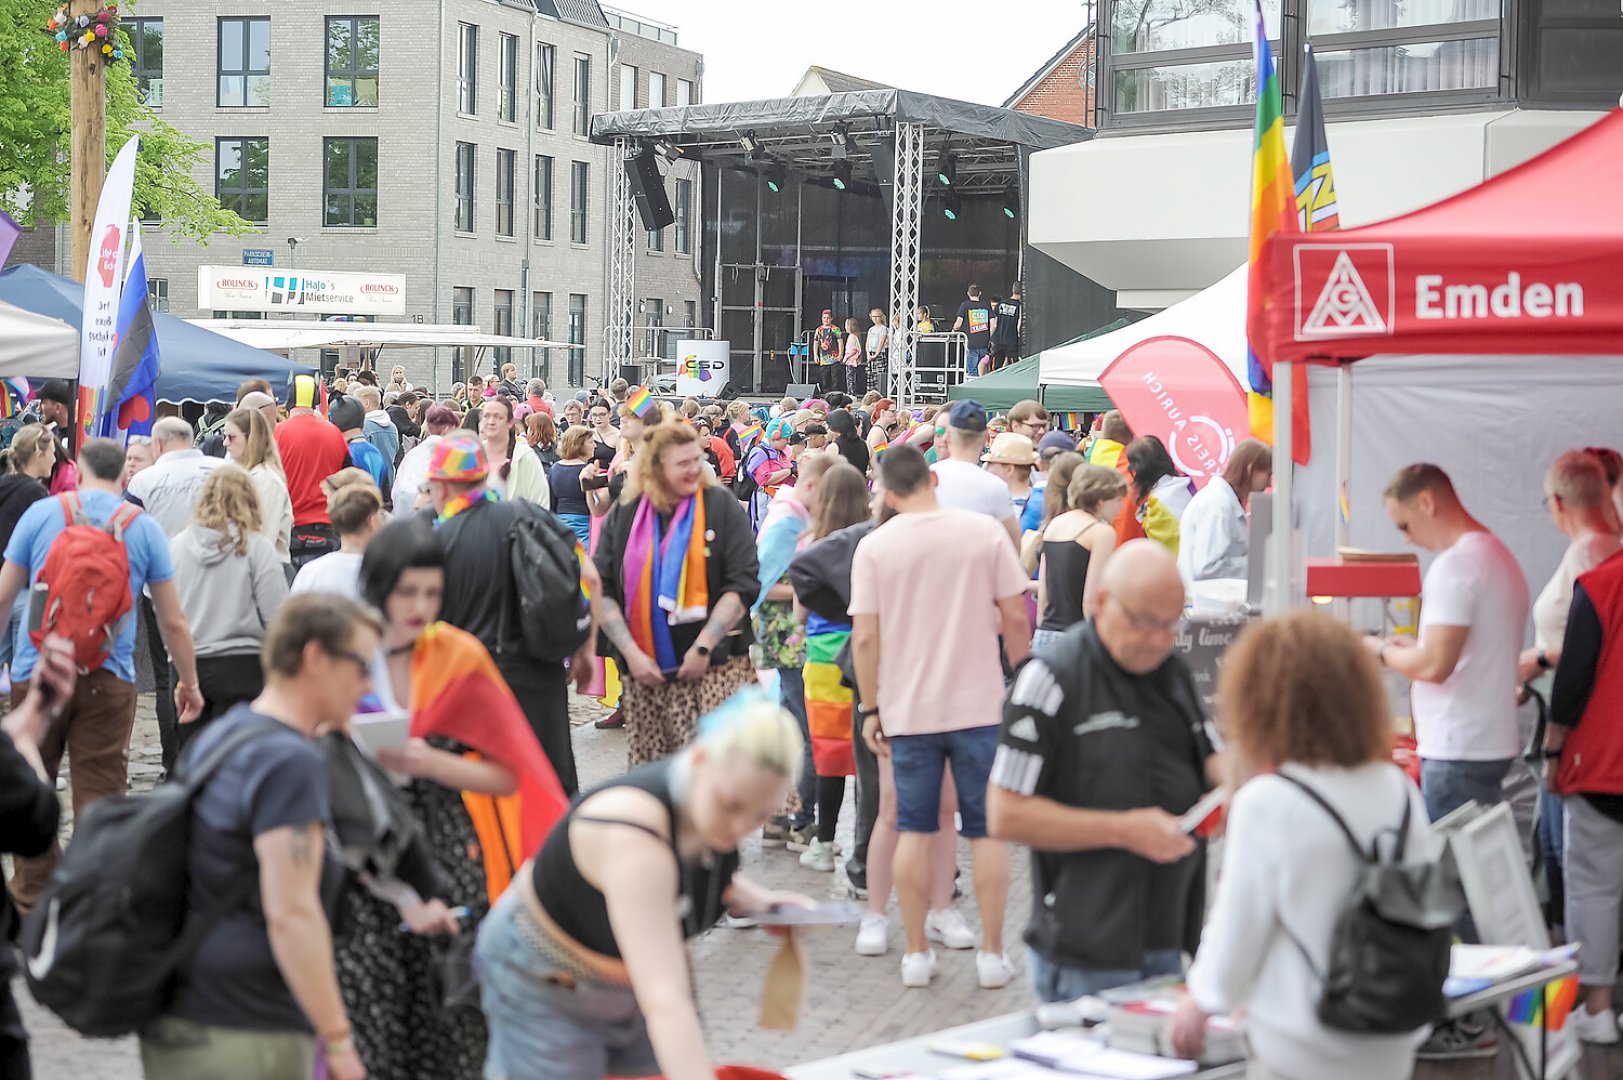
<point x="87" y="583"/>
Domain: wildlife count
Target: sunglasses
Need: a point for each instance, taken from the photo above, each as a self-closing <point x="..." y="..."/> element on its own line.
<point x="362" y="663"/>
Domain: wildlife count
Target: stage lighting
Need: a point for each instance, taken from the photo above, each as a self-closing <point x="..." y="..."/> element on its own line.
<point x="750" y="144"/>
<point x="1011" y="204"/>
<point x="842" y="142"/>
<point x="776" y="178"/>
<point x="947" y="172"/>
<point x="842" y="176"/>
<point x="667" y="149"/>
<point x="954" y="206"/>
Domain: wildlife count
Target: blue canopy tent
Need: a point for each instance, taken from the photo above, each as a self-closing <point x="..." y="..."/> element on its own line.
<point x="198" y="365"/>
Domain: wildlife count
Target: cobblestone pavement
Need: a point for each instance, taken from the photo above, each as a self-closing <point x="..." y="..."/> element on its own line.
<point x="851" y="1001"/>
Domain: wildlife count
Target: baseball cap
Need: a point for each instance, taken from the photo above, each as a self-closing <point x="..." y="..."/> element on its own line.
<point x="55" y="390"/>
<point x="967" y="416"/>
<point x="1056" y="440"/>
<point x="459" y="458"/>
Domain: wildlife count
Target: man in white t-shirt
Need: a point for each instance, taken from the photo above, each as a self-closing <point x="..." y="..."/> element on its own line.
<point x="1474" y="607"/>
<point x="961" y="483"/>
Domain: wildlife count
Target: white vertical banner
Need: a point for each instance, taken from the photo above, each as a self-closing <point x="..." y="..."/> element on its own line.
<point x="104" y="281"/>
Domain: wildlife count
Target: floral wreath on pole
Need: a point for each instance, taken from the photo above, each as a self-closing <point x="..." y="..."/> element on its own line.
<point x="98" y="32"/>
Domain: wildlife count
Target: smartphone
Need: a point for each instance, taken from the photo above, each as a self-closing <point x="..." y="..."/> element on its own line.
<point x="594" y="483"/>
<point x="36" y="607"/>
<point x="1204" y="812"/>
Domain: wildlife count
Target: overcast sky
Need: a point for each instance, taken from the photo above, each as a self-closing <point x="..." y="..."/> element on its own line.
<point x="966" y="49"/>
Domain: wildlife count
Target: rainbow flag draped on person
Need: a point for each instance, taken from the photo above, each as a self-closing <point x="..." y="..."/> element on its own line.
<point x="1273" y="211"/>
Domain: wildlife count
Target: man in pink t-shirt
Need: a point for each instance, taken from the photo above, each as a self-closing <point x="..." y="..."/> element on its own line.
<point x="924" y="638"/>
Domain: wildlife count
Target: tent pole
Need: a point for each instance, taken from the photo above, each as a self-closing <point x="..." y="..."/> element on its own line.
<point x="1344" y="392"/>
<point x="1284" y="534"/>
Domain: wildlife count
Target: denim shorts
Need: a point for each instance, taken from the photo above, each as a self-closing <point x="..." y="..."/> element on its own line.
<point x="545" y="1021"/>
<point x="1056" y="982"/>
<point x="918" y="762"/>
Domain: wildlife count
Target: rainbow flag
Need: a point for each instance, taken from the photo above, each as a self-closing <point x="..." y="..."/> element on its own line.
<point x="1548" y="1006"/>
<point x="880" y="449"/>
<point x="14" y="397"/>
<point x="828" y="700"/>
<point x="1273" y="211"/>
<point x="640" y="400"/>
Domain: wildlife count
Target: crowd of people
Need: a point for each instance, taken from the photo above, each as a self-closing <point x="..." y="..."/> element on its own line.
<point x="379" y="603"/>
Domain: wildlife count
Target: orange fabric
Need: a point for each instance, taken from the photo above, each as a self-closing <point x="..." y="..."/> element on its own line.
<point x="1126" y="523"/>
<point x="457" y="693"/>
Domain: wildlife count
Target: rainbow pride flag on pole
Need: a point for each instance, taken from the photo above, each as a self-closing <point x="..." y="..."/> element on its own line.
<point x="1273" y="211"/>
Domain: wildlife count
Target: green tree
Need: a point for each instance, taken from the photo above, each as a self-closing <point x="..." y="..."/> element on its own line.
<point x="35" y="138"/>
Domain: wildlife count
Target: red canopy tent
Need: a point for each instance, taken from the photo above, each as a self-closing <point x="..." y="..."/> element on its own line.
<point x="1525" y="262"/>
<point x="1529" y="262"/>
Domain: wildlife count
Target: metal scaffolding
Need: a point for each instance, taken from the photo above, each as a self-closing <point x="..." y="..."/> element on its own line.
<point x="907" y="206"/>
<point x="619" y="330"/>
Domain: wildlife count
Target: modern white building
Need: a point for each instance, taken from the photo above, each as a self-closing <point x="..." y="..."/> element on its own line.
<point x="1422" y="100"/>
<point x="448" y="143"/>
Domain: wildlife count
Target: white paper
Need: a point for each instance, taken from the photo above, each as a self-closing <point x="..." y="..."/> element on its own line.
<point x="381" y="730"/>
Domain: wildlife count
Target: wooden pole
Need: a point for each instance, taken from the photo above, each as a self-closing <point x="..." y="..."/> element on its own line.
<point x="89" y="132"/>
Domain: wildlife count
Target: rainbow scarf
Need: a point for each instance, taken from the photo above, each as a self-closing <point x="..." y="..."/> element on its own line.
<point x="456" y="692"/>
<point x="665" y="576"/>
<point x="463" y="502"/>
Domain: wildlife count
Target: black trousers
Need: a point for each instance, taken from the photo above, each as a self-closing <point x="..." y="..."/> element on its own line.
<point x="169" y="743"/>
<point x="13" y="1036"/>
<point x="542" y="690"/>
<point x="856" y="867"/>
<point x="311" y="542"/>
<point x="224" y="681"/>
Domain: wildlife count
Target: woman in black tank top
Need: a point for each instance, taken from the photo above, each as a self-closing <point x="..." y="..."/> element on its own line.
<point x="1074" y="547"/>
<point x="595" y="923"/>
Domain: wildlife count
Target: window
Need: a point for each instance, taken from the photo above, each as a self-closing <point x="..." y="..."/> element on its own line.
<point x="577" y="202"/>
<point x="628" y="87"/>
<point x="577" y="336"/>
<point x="583" y="95"/>
<point x="685" y="93"/>
<point x="158" y="294"/>
<point x="690" y="310"/>
<point x="656" y="90"/>
<point x="244" y="63"/>
<point x="506" y="166"/>
<point x="682" y="209"/>
<point x="653" y="317"/>
<point x="542" y="188"/>
<point x="352" y="182"/>
<point x="242" y="177"/>
<point x="352" y="60"/>
<point x="1405" y="48"/>
<point x="461" y="315"/>
<point x="507" y="78"/>
<point x="656" y="240"/>
<point x="504" y="325"/>
<point x="541" y="327"/>
<point x="464" y="186"/>
<point x="146" y="59"/>
<point x="546" y="73"/>
<point x="467" y="69"/>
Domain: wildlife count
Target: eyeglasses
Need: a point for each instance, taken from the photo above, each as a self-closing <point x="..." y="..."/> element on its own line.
<point x="361" y="662"/>
<point x="1403" y="527"/>
<point x="1149" y="624"/>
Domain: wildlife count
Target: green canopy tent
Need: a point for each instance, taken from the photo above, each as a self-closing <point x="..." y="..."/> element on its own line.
<point x="1007" y="387"/>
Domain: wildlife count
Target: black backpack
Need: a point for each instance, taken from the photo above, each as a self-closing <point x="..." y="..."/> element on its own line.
<point x="547" y="616"/>
<point x="1389" y="950"/>
<point x="745" y="487"/>
<point x="103" y="944"/>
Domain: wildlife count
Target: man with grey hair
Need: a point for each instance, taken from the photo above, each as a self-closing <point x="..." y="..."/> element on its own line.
<point x="168" y="491"/>
<point x="535" y="399"/>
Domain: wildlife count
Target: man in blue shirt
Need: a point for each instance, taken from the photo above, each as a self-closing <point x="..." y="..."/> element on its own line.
<point x="348" y="415"/>
<point x="96" y="723"/>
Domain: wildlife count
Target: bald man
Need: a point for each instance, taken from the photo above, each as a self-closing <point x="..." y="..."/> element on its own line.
<point x="1103" y="747"/>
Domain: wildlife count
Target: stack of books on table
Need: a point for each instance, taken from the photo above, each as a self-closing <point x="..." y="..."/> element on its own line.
<point x="1143" y="1025"/>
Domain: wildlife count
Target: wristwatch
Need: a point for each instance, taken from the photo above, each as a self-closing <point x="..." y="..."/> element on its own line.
<point x="865" y="711"/>
<point x="1543" y="660"/>
<point x="1552" y="755"/>
<point x="702" y="649"/>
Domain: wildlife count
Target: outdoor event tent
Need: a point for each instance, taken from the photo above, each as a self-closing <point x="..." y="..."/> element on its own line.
<point x="1007" y="387"/>
<point x="198" y="365"/>
<point x="1493" y="326"/>
<point x="1213" y="317"/>
<point x="37" y="345"/>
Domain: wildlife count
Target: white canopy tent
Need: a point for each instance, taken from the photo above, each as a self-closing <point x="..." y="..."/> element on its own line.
<point x="279" y="335"/>
<point x="36" y="345"/>
<point x="1213" y="317"/>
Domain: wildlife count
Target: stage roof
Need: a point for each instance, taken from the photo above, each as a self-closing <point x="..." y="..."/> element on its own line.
<point x="798" y="133"/>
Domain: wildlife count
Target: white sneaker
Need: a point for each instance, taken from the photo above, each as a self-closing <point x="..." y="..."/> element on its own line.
<point x="949" y="929"/>
<point x="1599" y="1028"/>
<point x="994" y="970"/>
<point x="873" y="936"/>
<point x="819" y="856"/>
<point x="918" y="968"/>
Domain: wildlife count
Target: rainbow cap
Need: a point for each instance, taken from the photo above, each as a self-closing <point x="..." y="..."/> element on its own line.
<point x="459" y="458"/>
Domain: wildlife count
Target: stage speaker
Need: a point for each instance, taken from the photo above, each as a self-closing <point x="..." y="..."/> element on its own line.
<point x="729" y="391"/>
<point x="648" y="188"/>
<point x="800" y="391"/>
<point x="884" y="161"/>
<point x="631" y="373"/>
